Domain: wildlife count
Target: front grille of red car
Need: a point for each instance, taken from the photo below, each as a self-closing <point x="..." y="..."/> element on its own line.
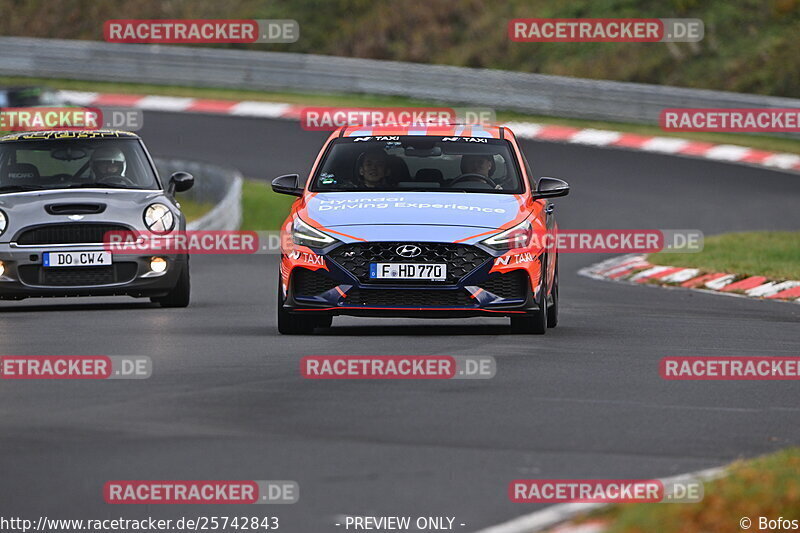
<point x="513" y="286"/>
<point x="311" y="282"/>
<point x="408" y="298"/>
<point x="461" y="259"/>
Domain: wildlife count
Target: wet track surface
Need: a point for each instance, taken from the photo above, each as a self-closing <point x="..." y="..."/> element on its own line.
<point x="226" y="400"/>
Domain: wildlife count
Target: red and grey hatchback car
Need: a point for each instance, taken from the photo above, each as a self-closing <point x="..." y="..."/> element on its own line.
<point x="419" y="221"/>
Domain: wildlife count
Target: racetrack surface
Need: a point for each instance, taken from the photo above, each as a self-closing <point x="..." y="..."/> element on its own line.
<point x="226" y="400"/>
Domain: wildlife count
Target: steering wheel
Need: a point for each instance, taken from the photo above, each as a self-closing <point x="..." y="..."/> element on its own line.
<point x="471" y="176"/>
<point x="62" y="178"/>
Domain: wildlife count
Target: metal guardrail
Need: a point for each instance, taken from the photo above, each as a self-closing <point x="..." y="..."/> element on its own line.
<point x="220" y="186"/>
<point x="243" y="69"/>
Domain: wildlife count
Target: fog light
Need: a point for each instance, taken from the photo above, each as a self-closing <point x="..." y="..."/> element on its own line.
<point x="158" y="264"/>
<point x="2" y="268"/>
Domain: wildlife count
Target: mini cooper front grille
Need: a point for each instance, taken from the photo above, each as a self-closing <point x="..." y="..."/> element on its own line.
<point x="461" y="259"/>
<point x="513" y="285"/>
<point x="311" y="282"/>
<point x="408" y="298"/>
<point x="122" y="272"/>
<point x="67" y="233"/>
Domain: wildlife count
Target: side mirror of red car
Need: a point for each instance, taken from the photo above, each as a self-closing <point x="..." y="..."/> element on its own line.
<point x="551" y="188"/>
<point x="288" y="184"/>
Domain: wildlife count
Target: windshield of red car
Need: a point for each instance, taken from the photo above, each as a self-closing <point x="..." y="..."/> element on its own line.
<point x="419" y="163"/>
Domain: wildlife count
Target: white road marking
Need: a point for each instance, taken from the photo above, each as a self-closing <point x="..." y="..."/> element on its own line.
<point x="773" y="287"/>
<point x="727" y="152"/>
<point x="668" y="145"/>
<point x="164" y="103"/>
<point x="682" y="275"/>
<point x="596" y="137"/>
<point x="649" y="272"/>
<point x="78" y="97"/>
<point x="782" y="160"/>
<point x="525" y="130"/>
<point x="259" y="109"/>
<point x="717" y="284"/>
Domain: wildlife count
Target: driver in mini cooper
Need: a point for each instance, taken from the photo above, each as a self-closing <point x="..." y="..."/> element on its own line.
<point x="107" y="162"/>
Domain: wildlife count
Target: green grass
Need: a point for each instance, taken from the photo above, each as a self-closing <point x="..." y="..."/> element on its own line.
<point x="767" y="486"/>
<point x="774" y="254"/>
<point x="263" y="209"/>
<point x="762" y="142"/>
<point x="193" y="209"/>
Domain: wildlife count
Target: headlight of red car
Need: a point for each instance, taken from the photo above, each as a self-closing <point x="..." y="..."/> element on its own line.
<point x="306" y="235"/>
<point x="520" y="236"/>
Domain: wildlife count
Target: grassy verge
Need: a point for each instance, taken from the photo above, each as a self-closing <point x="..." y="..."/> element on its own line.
<point x="768" y="486"/>
<point x="263" y="209"/>
<point x="762" y="142"/>
<point x="774" y="254"/>
<point x="193" y="209"/>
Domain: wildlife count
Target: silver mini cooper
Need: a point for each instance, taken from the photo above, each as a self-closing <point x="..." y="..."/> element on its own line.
<point x="60" y="195"/>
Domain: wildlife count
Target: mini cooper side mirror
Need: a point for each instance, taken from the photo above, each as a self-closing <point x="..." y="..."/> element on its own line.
<point x="180" y="181"/>
<point x="288" y="184"/>
<point x="551" y="188"/>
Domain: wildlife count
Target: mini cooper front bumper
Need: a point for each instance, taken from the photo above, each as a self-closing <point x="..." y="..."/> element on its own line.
<point x="24" y="274"/>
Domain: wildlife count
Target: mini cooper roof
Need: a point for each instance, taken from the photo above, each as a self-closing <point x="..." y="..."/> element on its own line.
<point x="59" y="135"/>
<point x="436" y="130"/>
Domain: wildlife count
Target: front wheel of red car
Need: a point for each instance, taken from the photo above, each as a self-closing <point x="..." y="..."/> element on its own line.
<point x="533" y="323"/>
<point x="297" y="324"/>
<point x="552" y="307"/>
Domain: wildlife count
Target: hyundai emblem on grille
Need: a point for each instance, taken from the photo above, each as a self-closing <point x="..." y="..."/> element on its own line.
<point x="408" y="250"/>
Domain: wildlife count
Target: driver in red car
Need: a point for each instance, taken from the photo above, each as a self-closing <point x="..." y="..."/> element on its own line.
<point x="483" y="165"/>
<point x="373" y="169"/>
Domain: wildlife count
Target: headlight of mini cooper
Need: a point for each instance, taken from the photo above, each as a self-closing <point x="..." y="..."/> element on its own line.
<point x="305" y="235"/>
<point x="3" y="222"/>
<point x="159" y="219"/>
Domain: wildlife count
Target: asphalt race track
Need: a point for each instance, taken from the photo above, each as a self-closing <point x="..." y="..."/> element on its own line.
<point x="226" y="400"/>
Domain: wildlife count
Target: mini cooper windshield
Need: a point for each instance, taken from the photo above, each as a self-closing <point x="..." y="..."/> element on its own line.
<point x="416" y="163"/>
<point x="72" y="164"/>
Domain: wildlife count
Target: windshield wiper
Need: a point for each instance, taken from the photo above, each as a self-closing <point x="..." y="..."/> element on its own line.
<point x="19" y="188"/>
<point x="97" y="185"/>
